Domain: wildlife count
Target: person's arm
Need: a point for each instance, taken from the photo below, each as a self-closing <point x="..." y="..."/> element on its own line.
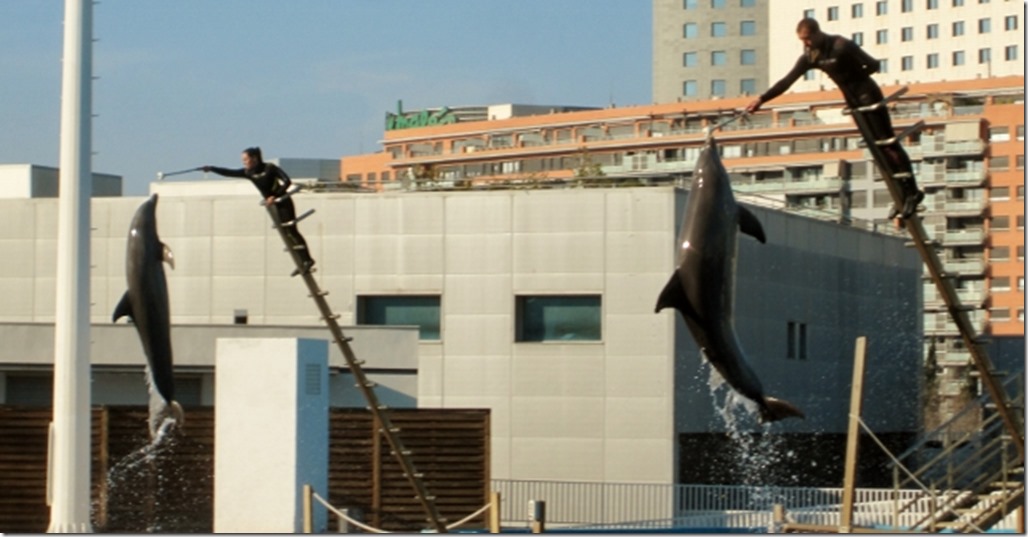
<point x="801" y="66"/>
<point x="226" y="172"/>
<point x="282" y="180"/>
<point x="862" y="58"/>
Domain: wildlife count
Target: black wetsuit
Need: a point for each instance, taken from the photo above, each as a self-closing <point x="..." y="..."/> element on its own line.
<point x="851" y="69"/>
<point x="271" y="180"/>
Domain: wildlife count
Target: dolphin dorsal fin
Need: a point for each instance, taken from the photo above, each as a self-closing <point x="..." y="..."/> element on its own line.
<point x="167" y="256"/>
<point x="123" y="309"/>
<point x="749" y="225"/>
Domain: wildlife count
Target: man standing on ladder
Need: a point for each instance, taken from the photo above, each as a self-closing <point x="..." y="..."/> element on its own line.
<point x="851" y="69"/>
<point x="273" y="183"/>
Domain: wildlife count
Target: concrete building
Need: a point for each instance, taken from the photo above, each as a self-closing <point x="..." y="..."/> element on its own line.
<point x="32" y="181"/>
<point x="536" y="304"/>
<point x="801" y="153"/>
<point x="726" y="48"/>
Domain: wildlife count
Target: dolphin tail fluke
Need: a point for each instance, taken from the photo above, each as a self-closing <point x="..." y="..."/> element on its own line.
<point x="777" y="409"/>
<point x="177" y="413"/>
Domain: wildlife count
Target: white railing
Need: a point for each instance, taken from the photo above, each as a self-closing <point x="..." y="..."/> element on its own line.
<point x="635" y="505"/>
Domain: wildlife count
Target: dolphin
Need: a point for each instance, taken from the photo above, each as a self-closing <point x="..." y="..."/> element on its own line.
<point x="146" y="303"/>
<point x="702" y="288"/>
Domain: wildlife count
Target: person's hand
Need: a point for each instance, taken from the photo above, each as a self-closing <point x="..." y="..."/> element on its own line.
<point x="753" y="106"/>
<point x="270" y="200"/>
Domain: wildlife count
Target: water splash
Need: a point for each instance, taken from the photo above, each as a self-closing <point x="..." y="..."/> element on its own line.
<point x="760" y="458"/>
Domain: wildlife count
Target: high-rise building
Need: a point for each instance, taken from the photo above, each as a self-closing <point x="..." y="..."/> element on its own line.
<point x="705" y="49"/>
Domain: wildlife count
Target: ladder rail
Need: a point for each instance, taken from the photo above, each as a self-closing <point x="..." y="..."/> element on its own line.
<point x="377" y="409"/>
<point x="944" y="284"/>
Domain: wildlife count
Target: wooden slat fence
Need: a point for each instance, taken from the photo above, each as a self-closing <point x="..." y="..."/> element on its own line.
<point x="170" y="489"/>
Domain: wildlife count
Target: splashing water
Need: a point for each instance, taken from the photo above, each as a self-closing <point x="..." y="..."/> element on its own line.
<point x="759" y="456"/>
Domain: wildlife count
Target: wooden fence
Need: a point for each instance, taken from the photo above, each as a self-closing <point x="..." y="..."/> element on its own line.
<point x="170" y="489"/>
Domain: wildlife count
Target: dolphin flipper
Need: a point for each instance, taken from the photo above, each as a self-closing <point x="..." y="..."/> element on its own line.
<point x="673" y="296"/>
<point x="167" y="256"/>
<point x="749" y="225"/>
<point x="124" y="308"/>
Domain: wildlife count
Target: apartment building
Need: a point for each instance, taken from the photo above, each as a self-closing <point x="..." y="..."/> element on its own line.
<point x="801" y="153"/>
<point x="705" y="49"/>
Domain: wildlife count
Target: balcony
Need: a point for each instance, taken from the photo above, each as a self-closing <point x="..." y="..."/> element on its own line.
<point x="821" y="185"/>
<point x="935" y="148"/>
<point x="963" y="237"/>
<point x="965" y="178"/>
<point x="965" y="267"/>
<point x="964" y="207"/>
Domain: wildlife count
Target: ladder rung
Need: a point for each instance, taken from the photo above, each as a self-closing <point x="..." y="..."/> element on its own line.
<point x="357" y="363"/>
<point x="333" y="316"/>
<point x="906" y="132"/>
<point x="417" y="475"/>
<point x="319" y="293"/>
<point x="902" y="175"/>
<point x="402" y="452"/>
<point x="300" y="218"/>
<point x="382" y="406"/>
<point x="367" y="384"/>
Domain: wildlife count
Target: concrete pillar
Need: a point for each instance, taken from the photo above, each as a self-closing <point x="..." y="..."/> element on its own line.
<point x="271" y="433"/>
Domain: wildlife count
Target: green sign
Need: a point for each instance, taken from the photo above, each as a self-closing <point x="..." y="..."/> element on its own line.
<point x="424" y="118"/>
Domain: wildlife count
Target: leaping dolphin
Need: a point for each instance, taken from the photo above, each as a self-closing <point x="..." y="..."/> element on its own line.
<point x="702" y="287"/>
<point x="146" y="302"/>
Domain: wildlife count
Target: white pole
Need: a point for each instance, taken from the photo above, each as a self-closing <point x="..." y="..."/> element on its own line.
<point x="70" y="459"/>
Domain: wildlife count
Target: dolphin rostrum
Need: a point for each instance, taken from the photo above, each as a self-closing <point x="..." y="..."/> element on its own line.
<point x="146" y="302"/>
<point x="702" y="287"/>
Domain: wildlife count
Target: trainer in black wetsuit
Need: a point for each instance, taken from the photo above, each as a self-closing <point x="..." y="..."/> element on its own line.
<point x="851" y="69"/>
<point x="272" y="182"/>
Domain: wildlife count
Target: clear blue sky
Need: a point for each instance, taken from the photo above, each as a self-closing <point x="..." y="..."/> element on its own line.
<point x="182" y="83"/>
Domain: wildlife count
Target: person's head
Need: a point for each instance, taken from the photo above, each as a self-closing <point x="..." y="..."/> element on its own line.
<point x="252" y="157"/>
<point x="809" y="32"/>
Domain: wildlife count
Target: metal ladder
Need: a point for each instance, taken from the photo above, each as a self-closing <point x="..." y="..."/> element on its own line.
<point x="943" y="281"/>
<point x="378" y="410"/>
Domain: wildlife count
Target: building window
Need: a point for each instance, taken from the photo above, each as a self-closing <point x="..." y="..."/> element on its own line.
<point x="718" y="57"/>
<point x="932" y="31"/>
<point x="1020" y="221"/>
<point x="689" y="4"/>
<point x="689" y="88"/>
<point x="999" y="193"/>
<point x="796" y="342"/>
<point x="999" y="315"/>
<point x="907" y="34"/>
<point x="1020" y="133"/>
<point x="1020" y="166"/>
<point x="718" y="88"/>
<point x="1020" y="284"/>
<point x="984" y="55"/>
<point x="858" y="38"/>
<point x="718" y="29"/>
<point x="748" y="86"/>
<point x="558" y="318"/>
<point x="690" y="59"/>
<point x="717" y="4"/>
<point x="748" y="57"/>
<point x="747" y="3"/>
<point x="747" y="28"/>
<point x="881" y="37"/>
<point x="1010" y="23"/>
<point x="883" y="65"/>
<point x="999" y="164"/>
<point x="984" y="26"/>
<point x="857" y="11"/>
<point x="833" y="13"/>
<point x="907" y="6"/>
<point x="958" y="28"/>
<point x="405" y="310"/>
<point x="933" y="60"/>
<point x="881" y="7"/>
<point x="1000" y="223"/>
<point x="808" y="13"/>
<point x="958" y="3"/>
<point x="907" y="63"/>
<point x="1010" y="52"/>
<point x="999" y="134"/>
<point x="958" y="57"/>
<point x="690" y="30"/>
<point x="932" y="4"/>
